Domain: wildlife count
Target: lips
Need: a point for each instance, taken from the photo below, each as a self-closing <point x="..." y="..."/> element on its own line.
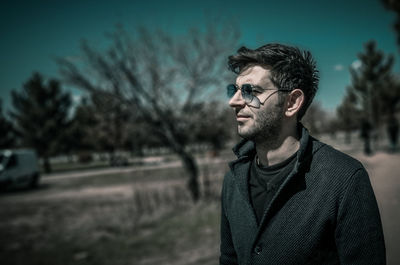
<point x="242" y="117"/>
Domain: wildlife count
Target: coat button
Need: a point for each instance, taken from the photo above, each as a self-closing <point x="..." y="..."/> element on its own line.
<point x="257" y="250"/>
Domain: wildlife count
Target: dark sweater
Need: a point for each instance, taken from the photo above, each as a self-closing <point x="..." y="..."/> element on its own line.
<point x="264" y="182"/>
<point x="324" y="212"/>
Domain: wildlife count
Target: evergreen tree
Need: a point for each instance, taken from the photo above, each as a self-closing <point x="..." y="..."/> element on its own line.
<point x="316" y="118"/>
<point x="368" y="84"/>
<point x="212" y="130"/>
<point x="105" y="126"/>
<point x="390" y="96"/>
<point x="40" y="112"/>
<point x="394" y="5"/>
<point x="80" y="136"/>
<point x="111" y="119"/>
<point x="7" y="132"/>
<point x="349" y="117"/>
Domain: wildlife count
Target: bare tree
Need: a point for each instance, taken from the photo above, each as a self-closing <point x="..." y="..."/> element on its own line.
<point x="161" y="78"/>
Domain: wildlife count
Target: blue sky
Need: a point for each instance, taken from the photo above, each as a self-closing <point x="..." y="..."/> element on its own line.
<point x="34" y="33"/>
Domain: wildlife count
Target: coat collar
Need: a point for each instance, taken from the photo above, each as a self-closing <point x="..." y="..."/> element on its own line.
<point x="244" y="148"/>
<point x="247" y="148"/>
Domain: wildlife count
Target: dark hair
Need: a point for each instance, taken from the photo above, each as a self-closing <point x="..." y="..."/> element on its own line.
<point x="291" y="68"/>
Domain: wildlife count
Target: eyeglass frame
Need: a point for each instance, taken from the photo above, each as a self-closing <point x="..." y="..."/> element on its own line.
<point x="244" y="93"/>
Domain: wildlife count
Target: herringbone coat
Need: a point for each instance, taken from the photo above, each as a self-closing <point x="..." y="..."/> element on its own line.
<point x="325" y="212"/>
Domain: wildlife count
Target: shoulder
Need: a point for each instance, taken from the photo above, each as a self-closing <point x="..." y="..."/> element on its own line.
<point x="327" y="156"/>
<point x="330" y="167"/>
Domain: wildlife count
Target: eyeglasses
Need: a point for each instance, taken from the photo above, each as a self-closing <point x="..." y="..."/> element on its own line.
<point x="250" y="92"/>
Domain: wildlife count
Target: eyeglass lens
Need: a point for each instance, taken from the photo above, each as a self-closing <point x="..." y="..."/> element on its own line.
<point x="246" y="91"/>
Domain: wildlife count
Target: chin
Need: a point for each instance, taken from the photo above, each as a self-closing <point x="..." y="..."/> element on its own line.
<point x="245" y="133"/>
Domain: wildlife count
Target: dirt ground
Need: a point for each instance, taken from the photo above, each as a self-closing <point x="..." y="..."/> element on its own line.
<point x="384" y="171"/>
<point x="383" y="168"/>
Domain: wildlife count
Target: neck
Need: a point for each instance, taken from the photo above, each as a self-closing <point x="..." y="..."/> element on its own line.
<point x="273" y="152"/>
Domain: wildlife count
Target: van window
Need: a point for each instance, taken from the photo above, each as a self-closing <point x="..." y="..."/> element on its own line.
<point x="12" y="162"/>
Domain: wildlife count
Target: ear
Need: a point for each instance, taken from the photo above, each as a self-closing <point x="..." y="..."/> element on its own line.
<point x="294" y="102"/>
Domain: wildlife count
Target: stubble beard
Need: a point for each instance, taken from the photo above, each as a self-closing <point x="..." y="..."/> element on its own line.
<point x="265" y="127"/>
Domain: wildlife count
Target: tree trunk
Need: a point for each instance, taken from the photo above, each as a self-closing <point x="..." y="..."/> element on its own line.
<point x="366" y="136"/>
<point x="70" y="158"/>
<point x="348" y="137"/>
<point x="367" y="146"/>
<point x="46" y="165"/>
<point x="111" y="158"/>
<point x="191" y="167"/>
<point x="393" y="131"/>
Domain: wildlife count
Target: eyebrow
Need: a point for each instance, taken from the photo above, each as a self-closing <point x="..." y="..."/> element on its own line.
<point x="257" y="86"/>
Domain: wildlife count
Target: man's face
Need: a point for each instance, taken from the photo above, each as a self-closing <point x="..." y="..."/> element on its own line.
<point x="263" y="123"/>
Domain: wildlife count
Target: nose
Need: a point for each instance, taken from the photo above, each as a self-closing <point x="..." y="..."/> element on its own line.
<point x="237" y="100"/>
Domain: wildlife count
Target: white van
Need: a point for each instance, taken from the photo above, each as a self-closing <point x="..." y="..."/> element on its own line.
<point x="19" y="168"/>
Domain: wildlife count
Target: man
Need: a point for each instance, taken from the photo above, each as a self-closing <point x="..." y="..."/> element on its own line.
<point x="288" y="198"/>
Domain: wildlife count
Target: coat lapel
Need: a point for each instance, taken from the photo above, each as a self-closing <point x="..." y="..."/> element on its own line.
<point x="240" y="168"/>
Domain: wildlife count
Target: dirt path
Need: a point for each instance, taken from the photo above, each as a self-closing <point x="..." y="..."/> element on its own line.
<point x="384" y="171"/>
<point x="60" y="186"/>
<point x="98" y="172"/>
<point x="122" y="170"/>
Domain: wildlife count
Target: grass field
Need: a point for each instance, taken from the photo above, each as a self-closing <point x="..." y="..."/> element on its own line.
<point x="104" y="232"/>
<point x="144" y="217"/>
